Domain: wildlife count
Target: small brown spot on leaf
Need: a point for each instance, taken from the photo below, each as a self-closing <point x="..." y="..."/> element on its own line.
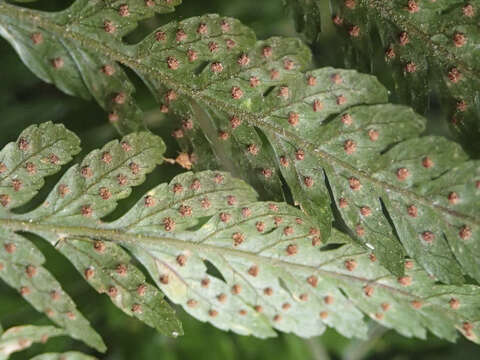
<point x="365" y="211"/>
<point x="24" y="290"/>
<point x="123" y="10"/>
<point x="31" y="271"/>
<point x="409" y="264"/>
<point x="283" y="92"/>
<point x="292" y="249"/>
<point x="137" y="308"/>
<point x="416" y="304"/>
<point x="99" y="246"/>
<point x="405" y="280"/>
<point x="181" y="260"/>
<point x="164" y="279"/>
<point x="412" y="6"/>
<point x="385" y="306"/>
<point x="225" y="26"/>
<point x="312" y="280"/>
<point x="267" y="51"/>
<point x="268" y="291"/>
<point x="23" y="144"/>
<point x="89" y="273"/>
<point x="293" y="118"/>
<point x="112" y="291"/>
<point x="16" y="184"/>
<point x="323" y="315"/>
<point x="359" y="230"/>
<point x="337" y="20"/>
<point x="403" y="38"/>
<point x="173" y="63"/>
<point x="317" y="105"/>
<point x="236" y="289"/>
<point x="258" y="308"/>
<point x="37" y="38"/>
<point x="109" y="27"/>
<point x="149" y="201"/>
<point x="411" y="67"/>
<point x="288" y="64"/>
<point x="192" y="303"/>
<point x="243" y="60"/>
<point x="121" y="179"/>
<point x="354" y="184"/>
<point x="308" y="181"/>
<point x="379" y="315"/>
<point x="180" y="35"/>
<point x="168" y="224"/>
<point x="4" y="200"/>
<point x="205" y="202"/>
<point x="342" y="203"/>
<point x="349" y="146"/>
<point x="468" y="10"/>
<point x="300" y="154"/>
<point x="213" y="46"/>
<point x="350" y="265"/>
<point x="354" y="31"/>
<point x="373" y="135"/>
<point x="368" y="290"/>
<point x="390" y="53"/>
<point x="212" y="313"/>
<point x="461" y="105"/>
<point x="402" y="174"/>
<point x="465" y="232"/>
<point x="453" y="198"/>
<point x="428" y="236"/>
<point x="238" y="238"/>
<point x="246" y="212"/>
<point x="253" y="270"/>
<point x="311" y="80"/>
<point x="237" y="93"/>
<point x="104" y="193"/>
<point x="454" y="303"/>
<point x="205" y="282"/>
<point x="86" y="210"/>
<point x="192" y="55"/>
<point x="328" y="299"/>
<point x="454" y="75"/>
<point x="57" y="63"/>
<point x="225" y="217"/>
<point x="121" y="269"/>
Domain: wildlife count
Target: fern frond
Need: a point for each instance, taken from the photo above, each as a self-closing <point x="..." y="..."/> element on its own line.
<point x="390" y="184"/>
<point x="72" y="65"/>
<point x="242" y="265"/>
<point x="19" y="338"/>
<point x="85" y="193"/>
<point x="427" y="45"/>
<point x="39" y="152"/>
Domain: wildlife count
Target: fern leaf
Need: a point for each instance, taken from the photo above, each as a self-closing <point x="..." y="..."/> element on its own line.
<point x="19" y="338"/>
<point x="84" y="194"/>
<point x="71" y="355"/>
<point x="378" y="176"/>
<point x="38" y="152"/>
<point x="246" y="266"/>
<point x="72" y="65"/>
<point x="427" y="44"/>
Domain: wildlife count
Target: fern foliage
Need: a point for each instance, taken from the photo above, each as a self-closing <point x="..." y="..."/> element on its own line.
<point x="426" y="44"/>
<point x="328" y="134"/>
<point x="74" y="66"/>
<point x="19" y="338"/>
<point x="226" y="258"/>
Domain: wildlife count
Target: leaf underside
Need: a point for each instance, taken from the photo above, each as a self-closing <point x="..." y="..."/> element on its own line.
<point x="242" y="265"/>
<point x="73" y="66"/>
<point x="427" y="45"/>
<point x="328" y="134"/>
<point x="21" y="337"/>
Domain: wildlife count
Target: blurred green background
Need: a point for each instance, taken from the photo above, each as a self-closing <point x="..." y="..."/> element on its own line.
<point x="25" y="100"/>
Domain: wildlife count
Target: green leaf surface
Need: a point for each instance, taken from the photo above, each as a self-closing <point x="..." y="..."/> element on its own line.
<point x="246" y="266"/>
<point x="84" y="194"/>
<point x="72" y="65"/>
<point x="19" y="338"/>
<point x="328" y="134"/>
<point x="427" y="45"/>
